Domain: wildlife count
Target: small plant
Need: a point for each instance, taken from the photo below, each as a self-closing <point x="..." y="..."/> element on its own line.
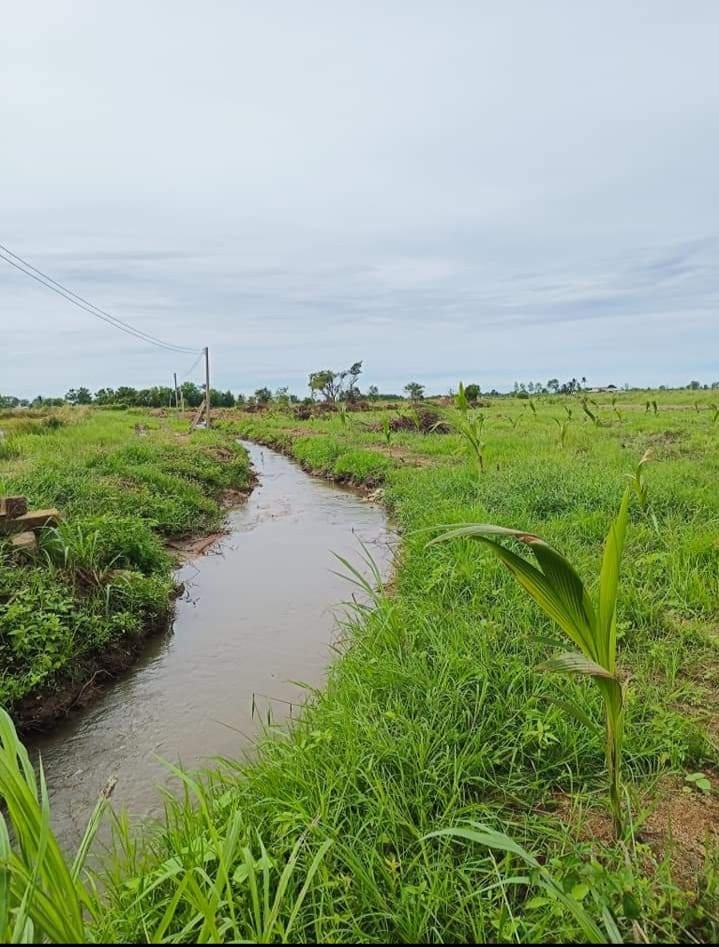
<point x="563" y="426"/>
<point x="77" y="550"/>
<point x="343" y="416"/>
<point x="533" y="406"/>
<point x="569" y="411"/>
<point x="468" y="426"/>
<point x="640" y="487"/>
<point x="560" y="593"/>
<point x="387" y="432"/>
<point x="696" y="407"/>
<point x="715" y="410"/>
<point x="513" y="421"/>
<point x="698" y="781"/>
<point x="655" y="407"/>
<point x="647" y="407"/>
<point x="589" y="413"/>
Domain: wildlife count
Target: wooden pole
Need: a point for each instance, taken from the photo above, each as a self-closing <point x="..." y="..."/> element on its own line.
<point x="207" y="385"/>
<point x="177" y="392"/>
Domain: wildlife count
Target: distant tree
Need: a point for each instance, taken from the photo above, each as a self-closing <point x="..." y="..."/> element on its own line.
<point x="78" y="396"/>
<point x="192" y="395"/>
<point x="263" y="395"/>
<point x="221" y="399"/>
<point x="105" y="396"/>
<point x="553" y="385"/>
<point x="333" y="385"/>
<point x="694" y="385"/>
<point x="350" y="376"/>
<point x="282" y="396"/>
<point x="414" y="391"/>
<point x="325" y="382"/>
<point x="472" y="392"/>
<point x="373" y="392"/>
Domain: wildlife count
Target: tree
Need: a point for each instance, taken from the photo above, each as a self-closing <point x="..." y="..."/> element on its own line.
<point x="472" y="392"/>
<point x="553" y="385"/>
<point x="331" y="384"/>
<point x="192" y="395"/>
<point x="373" y="392"/>
<point x="415" y="391"/>
<point x="694" y="385"/>
<point x="263" y="395"/>
<point x="79" y="396"/>
<point x="282" y="396"/>
<point x="326" y="382"/>
<point x="352" y="374"/>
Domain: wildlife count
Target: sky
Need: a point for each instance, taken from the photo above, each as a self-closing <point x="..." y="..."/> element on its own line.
<point x="485" y="191"/>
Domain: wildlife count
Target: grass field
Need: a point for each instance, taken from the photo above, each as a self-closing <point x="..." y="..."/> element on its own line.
<point x="437" y="716"/>
<point x="104" y="577"/>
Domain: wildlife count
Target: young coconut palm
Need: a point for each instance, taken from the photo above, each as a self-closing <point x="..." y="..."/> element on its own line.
<point x="563" y="428"/>
<point x="468" y="427"/>
<point x="715" y="415"/>
<point x="561" y="594"/>
<point x="589" y="413"/>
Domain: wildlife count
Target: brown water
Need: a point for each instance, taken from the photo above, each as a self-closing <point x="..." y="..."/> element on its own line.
<point x="257" y="620"/>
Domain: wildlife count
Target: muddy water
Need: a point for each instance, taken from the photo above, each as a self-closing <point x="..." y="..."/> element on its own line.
<point x="258" y="617"/>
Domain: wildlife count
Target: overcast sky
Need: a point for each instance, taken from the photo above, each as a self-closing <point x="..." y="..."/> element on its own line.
<point x="480" y="190"/>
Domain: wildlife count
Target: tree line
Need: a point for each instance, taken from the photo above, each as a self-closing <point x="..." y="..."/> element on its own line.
<point x="326" y="384"/>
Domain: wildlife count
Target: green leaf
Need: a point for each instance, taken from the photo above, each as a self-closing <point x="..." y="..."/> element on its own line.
<point x="549" y="598"/>
<point x="608" y="585"/>
<point x="572" y="662"/>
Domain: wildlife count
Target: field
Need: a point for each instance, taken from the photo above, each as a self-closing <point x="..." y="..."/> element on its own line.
<point x="438" y="717"/>
<point x="125" y="484"/>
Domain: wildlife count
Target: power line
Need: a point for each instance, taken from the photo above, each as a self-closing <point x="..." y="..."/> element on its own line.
<point x="84" y="304"/>
<point x="194" y="364"/>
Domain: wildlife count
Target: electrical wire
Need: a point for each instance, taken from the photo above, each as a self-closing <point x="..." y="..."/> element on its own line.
<point x="84" y="304"/>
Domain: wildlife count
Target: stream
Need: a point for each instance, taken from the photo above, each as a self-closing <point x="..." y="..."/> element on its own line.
<point x="256" y="622"/>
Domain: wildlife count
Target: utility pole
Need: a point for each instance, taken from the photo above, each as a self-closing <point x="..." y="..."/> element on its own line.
<point x="207" y="385"/>
<point x="177" y="395"/>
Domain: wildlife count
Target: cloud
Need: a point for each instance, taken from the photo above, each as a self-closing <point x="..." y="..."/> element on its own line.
<point x="463" y="189"/>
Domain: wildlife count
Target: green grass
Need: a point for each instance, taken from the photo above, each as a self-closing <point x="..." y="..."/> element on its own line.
<point x="434" y="791"/>
<point x="103" y="577"/>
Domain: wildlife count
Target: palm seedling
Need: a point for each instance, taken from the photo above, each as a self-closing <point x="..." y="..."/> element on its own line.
<point x="589" y="413"/>
<point x="591" y="626"/>
<point x="513" y="421"/>
<point x="569" y="411"/>
<point x="533" y="406"/>
<point x="638" y="482"/>
<point x="563" y="428"/>
<point x="655" y="407"/>
<point x="647" y="407"/>
<point x="387" y="432"/>
<point x="715" y="415"/>
<point x="469" y="427"/>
